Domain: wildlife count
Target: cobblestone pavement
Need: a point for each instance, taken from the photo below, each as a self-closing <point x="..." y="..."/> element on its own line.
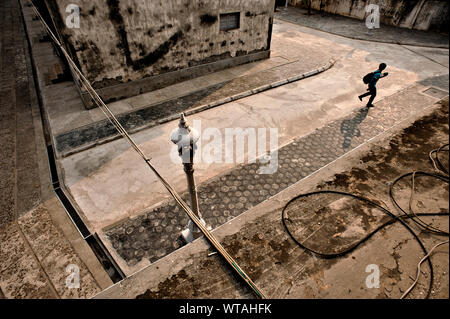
<point x="356" y="29"/>
<point x="156" y="234"/>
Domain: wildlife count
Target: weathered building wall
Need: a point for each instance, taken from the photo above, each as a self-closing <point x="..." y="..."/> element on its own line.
<point x="412" y="14"/>
<point x="128" y="40"/>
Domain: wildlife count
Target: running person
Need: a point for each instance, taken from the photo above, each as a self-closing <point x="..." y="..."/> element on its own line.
<point x="373" y="84"/>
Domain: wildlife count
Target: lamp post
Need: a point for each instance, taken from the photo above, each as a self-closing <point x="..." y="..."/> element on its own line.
<point x="186" y="139"/>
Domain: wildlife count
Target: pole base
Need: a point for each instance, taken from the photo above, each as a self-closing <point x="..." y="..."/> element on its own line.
<point x="192" y="232"/>
<point x="189" y="236"/>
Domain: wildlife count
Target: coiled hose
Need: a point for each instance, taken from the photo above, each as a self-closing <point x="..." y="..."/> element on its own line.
<point x="394" y="218"/>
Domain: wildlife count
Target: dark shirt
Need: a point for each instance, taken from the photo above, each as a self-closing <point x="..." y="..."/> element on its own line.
<point x="376" y="77"/>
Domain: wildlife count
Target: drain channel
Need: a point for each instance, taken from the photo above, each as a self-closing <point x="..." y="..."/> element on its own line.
<point x="93" y="240"/>
<point x="78" y="222"/>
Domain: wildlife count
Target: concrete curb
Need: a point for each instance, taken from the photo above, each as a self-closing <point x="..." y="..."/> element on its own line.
<point x="262" y="88"/>
<point x="202" y="108"/>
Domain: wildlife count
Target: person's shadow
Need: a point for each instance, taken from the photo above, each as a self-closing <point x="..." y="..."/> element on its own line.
<point x="349" y="127"/>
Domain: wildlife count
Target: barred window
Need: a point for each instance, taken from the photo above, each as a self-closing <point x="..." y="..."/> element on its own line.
<point x="230" y="21"/>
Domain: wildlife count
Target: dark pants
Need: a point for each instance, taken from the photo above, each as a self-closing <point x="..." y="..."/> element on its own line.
<point x="372" y="92"/>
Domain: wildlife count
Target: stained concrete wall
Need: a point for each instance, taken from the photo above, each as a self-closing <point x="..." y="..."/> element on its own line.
<point x="412" y="14"/>
<point x="128" y="40"/>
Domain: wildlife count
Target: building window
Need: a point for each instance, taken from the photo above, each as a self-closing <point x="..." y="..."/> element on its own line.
<point x="230" y="21"/>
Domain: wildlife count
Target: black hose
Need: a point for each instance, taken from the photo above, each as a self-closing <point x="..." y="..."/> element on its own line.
<point x="348" y="250"/>
<point x="442" y="167"/>
<point x="415" y="219"/>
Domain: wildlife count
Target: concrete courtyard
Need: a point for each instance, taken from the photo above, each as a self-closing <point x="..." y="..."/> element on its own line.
<point x="327" y="140"/>
<point x="111" y="184"/>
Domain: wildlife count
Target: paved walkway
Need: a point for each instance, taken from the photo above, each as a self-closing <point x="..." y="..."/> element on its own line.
<point x="37" y="239"/>
<point x="327" y="223"/>
<point x="356" y="29"/>
<point x="110" y="183"/>
<point x="75" y="129"/>
<point x="18" y="159"/>
<point x="155" y="234"/>
<point x="192" y="102"/>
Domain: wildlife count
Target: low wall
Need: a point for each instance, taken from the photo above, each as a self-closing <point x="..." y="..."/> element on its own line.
<point x="121" y="91"/>
<point x="425" y="15"/>
<point x="119" y="42"/>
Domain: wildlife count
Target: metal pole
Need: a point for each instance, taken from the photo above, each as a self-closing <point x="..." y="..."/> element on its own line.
<point x="186" y="139"/>
<point x="189" y="169"/>
<point x="192" y="230"/>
